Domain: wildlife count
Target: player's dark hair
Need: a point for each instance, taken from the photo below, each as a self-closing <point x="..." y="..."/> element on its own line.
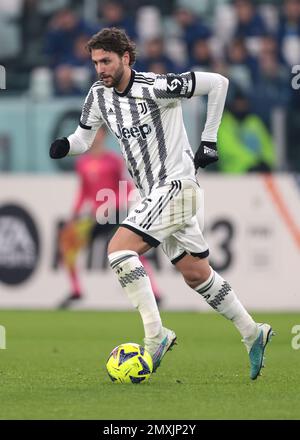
<point x="113" y="40"/>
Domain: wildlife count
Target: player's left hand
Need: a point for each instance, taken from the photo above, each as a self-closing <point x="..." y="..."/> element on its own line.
<point x="206" y="154"/>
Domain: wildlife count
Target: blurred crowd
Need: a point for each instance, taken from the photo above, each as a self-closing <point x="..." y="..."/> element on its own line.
<point x="254" y="43"/>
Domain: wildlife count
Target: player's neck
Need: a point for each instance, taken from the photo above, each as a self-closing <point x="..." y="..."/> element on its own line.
<point x="124" y="80"/>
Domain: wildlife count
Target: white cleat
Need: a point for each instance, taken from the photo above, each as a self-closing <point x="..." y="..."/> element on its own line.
<point x="159" y="346"/>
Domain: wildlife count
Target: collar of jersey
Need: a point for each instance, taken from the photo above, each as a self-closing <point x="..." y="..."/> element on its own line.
<point x="129" y="85"/>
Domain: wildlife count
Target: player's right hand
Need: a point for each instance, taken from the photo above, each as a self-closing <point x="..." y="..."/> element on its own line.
<point x="59" y="148"/>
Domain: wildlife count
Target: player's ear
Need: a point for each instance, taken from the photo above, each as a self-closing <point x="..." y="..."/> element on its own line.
<point x="126" y="58"/>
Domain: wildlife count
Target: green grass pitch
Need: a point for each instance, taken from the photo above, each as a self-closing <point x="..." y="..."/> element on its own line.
<point x="54" y="368"/>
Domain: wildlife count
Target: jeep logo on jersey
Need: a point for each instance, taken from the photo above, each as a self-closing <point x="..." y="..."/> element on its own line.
<point x="135" y="131"/>
<point x="19" y="244"/>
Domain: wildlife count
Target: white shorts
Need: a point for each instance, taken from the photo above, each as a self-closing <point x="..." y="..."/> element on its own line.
<point x="168" y="216"/>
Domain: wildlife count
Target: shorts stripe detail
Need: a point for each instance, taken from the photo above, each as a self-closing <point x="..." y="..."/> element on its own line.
<point x="161" y="204"/>
<point x="175" y="192"/>
<point x="153" y="242"/>
<point x="149" y="215"/>
<point x="178" y="188"/>
<point x="203" y="254"/>
<point x="175" y="260"/>
<point x="145" y="219"/>
<point x="150" y="219"/>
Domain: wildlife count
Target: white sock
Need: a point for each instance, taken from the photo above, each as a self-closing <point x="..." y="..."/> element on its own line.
<point x="220" y="296"/>
<point x="136" y="283"/>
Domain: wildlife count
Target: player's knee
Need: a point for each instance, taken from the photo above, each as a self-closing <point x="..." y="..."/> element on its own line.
<point x="194" y="278"/>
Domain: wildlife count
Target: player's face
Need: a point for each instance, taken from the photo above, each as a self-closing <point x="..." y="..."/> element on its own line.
<point x="109" y="66"/>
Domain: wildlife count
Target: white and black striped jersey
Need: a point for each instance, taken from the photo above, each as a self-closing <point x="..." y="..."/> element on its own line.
<point x="148" y="123"/>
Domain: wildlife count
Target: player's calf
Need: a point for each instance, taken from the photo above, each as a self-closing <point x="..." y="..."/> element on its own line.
<point x="194" y="270"/>
<point x="136" y="284"/>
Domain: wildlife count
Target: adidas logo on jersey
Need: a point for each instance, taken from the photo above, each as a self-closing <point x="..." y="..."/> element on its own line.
<point x="135" y="131"/>
<point x="132" y="219"/>
<point x="209" y="151"/>
<point x="111" y="112"/>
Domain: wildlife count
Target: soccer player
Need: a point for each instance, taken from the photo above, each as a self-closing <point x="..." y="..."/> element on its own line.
<point x="99" y="169"/>
<point x="143" y="110"/>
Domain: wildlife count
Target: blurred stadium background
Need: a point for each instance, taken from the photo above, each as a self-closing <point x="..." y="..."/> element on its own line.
<point x="252" y="203"/>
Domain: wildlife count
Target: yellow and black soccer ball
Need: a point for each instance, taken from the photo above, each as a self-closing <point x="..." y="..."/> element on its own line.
<point x="129" y="363"/>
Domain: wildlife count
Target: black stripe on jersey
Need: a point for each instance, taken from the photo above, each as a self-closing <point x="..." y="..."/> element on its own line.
<point x="193" y="83"/>
<point x="141" y="74"/>
<point x="143" y="78"/>
<point x="101" y="103"/>
<point x="190" y="154"/>
<point x="131" y="158"/>
<point x="86" y="127"/>
<point x="87" y="108"/>
<point x="174" y="191"/>
<point x="97" y="84"/>
<point x="143" y="144"/>
<point x="157" y="122"/>
<point x="141" y="81"/>
<point x="140" y="77"/>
